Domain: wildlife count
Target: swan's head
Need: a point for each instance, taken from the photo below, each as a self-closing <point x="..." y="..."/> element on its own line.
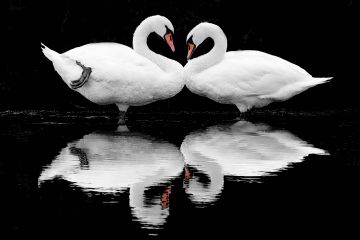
<point x="162" y="27"/>
<point x="198" y="34"/>
<point x="201" y="187"/>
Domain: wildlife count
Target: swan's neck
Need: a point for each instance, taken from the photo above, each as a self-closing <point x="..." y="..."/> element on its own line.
<point x="140" y="46"/>
<point x="214" y="188"/>
<point x="152" y="214"/>
<point x="213" y="57"/>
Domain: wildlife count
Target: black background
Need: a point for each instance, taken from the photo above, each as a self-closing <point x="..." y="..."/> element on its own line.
<point x="316" y="35"/>
<point x="317" y="195"/>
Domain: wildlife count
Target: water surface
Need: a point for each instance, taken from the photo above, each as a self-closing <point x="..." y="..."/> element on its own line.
<point x="164" y="178"/>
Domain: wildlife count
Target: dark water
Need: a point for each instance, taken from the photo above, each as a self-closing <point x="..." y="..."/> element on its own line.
<point x="262" y="174"/>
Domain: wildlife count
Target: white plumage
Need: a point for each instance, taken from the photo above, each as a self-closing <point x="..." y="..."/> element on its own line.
<point x="116" y="162"/>
<point x="245" y="78"/>
<point x="243" y="149"/>
<point x="121" y="75"/>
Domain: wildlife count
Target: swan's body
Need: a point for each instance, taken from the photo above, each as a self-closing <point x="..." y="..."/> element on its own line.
<point x="121" y="75"/>
<point x="116" y="162"/>
<point x="242" y="150"/>
<point x="245" y="78"/>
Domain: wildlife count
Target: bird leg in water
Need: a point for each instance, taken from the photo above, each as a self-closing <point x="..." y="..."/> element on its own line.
<point x="84" y="77"/>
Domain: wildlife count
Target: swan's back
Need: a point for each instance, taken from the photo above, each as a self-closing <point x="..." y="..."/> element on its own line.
<point x="108" y="55"/>
<point x="119" y="74"/>
<point x="265" y="59"/>
<point x="246" y="149"/>
<point x="252" y="79"/>
<point x="111" y="162"/>
<point x="252" y="73"/>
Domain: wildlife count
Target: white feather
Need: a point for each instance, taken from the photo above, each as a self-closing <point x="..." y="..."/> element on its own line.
<point x="116" y="162"/>
<point x="119" y="74"/>
<point x="243" y="149"/>
<point x="245" y="78"/>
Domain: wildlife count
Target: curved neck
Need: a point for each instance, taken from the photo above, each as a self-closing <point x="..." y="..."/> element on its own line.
<point x="153" y="214"/>
<point x="216" y="185"/>
<point x="213" y="57"/>
<point x="206" y="165"/>
<point x="140" y="46"/>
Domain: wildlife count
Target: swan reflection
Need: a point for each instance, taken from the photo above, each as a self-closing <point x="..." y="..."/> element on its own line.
<point x="243" y="149"/>
<point x="118" y="161"/>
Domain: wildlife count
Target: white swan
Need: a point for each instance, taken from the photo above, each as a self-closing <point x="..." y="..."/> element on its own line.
<point x="242" y="150"/>
<point x="116" y="162"/>
<point x="107" y="73"/>
<point x="245" y="78"/>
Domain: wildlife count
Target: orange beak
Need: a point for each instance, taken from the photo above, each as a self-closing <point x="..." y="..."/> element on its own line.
<point x="191" y="48"/>
<point x="165" y="197"/>
<point x="169" y="40"/>
<point x="187" y="174"/>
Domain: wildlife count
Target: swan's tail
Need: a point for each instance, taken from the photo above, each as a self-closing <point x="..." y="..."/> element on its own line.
<point x="64" y="66"/>
<point x="322" y="80"/>
<point x="312" y="82"/>
<point x="305" y="85"/>
<point x="49" y="54"/>
<point x="294" y="89"/>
